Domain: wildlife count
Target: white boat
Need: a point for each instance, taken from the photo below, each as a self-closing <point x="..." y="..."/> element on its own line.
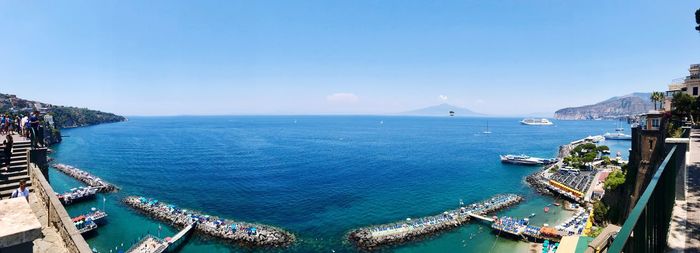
<point x="525" y="160"/>
<point x="617" y="136"/>
<point x="536" y="122"/>
<point x="487" y="128"/>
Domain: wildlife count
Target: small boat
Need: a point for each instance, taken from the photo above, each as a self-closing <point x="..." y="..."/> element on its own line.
<point x="536" y="122"/>
<point x="532" y="215"/>
<point x="546" y="209"/>
<point x="487" y="128"/>
<point x="557" y="204"/>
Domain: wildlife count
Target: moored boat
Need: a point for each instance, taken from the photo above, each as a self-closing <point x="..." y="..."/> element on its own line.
<point x="77" y="195"/>
<point x="536" y="122"/>
<point x="526" y="160"/>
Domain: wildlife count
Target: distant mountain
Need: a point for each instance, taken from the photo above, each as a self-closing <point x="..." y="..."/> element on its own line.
<point x="442" y="110"/>
<point x="612" y="108"/>
<point x="63" y="116"/>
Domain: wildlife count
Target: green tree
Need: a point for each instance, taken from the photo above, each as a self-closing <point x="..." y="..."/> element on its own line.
<point x="684" y="105"/>
<point x="615" y="179"/>
<point x="600" y="211"/>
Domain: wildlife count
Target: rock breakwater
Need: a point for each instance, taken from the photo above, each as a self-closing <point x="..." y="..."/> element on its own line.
<point x="241" y="233"/>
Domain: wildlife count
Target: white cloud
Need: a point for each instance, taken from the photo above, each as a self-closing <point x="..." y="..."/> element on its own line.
<point x="443" y="97"/>
<point x="342" y="98"/>
<point x="480" y="101"/>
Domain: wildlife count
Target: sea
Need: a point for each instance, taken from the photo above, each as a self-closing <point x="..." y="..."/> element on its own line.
<point x="316" y="176"/>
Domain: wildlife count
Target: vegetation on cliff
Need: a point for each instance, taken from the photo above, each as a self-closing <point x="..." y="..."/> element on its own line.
<point x="75" y="117"/>
<point x="63" y="116"/>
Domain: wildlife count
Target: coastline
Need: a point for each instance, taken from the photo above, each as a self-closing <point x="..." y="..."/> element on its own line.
<point x="94" y="138"/>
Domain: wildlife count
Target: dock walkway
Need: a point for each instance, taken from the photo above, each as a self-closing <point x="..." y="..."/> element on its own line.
<point x="481" y="217"/>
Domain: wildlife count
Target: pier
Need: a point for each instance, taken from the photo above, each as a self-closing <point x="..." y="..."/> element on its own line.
<point x="152" y="244"/>
<point x="483" y="218"/>
<point x="242" y="233"/>
<point x="86" y="177"/>
<point x="372" y="237"/>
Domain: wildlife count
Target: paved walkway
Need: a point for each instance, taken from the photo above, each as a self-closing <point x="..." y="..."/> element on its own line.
<point x="52" y="241"/>
<point x="684" y="233"/>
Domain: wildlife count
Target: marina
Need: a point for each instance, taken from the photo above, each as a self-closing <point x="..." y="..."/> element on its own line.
<point x="242" y="233"/>
<point x="86" y="177"/>
<point x="369" y="238"/>
<point x="521" y="229"/>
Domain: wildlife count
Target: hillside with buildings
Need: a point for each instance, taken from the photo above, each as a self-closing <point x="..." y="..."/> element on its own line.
<point x="613" y="108"/>
<point x="63" y="116"/>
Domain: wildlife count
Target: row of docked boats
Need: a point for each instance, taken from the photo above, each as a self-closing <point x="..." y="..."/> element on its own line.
<point x="77" y="195"/>
<point x="88" y="222"/>
<point x="526" y="160"/>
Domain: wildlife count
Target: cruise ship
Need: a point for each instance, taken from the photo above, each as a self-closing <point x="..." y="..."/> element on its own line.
<point x="525" y="160"/>
<point x="536" y="122"/>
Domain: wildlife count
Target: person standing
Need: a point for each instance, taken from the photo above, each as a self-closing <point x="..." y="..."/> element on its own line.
<point x="2" y="124"/>
<point x="22" y="191"/>
<point x="25" y="126"/>
<point x="7" y="151"/>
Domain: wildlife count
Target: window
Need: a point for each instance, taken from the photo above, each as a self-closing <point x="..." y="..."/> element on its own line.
<point x="695" y="91"/>
<point x="655" y="123"/>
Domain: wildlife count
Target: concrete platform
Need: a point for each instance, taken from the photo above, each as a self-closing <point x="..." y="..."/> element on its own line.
<point x="18" y="225"/>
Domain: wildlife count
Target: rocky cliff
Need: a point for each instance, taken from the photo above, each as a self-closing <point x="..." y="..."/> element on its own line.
<point x="63" y="116"/>
<point x="616" y="107"/>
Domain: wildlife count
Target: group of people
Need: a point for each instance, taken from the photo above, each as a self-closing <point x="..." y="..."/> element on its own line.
<point x="19" y="124"/>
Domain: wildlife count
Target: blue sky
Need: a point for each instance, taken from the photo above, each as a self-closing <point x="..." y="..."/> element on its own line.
<point x="340" y="57"/>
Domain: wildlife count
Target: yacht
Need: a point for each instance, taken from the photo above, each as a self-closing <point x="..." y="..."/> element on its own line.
<point x="536" y="122"/>
<point x="525" y="160"/>
<point x="617" y="135"/>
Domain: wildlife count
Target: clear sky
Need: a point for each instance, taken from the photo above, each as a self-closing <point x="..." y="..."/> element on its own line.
<point x="325" y="57"/>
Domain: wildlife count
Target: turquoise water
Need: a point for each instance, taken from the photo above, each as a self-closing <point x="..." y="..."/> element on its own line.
<point x="316" y="176"/>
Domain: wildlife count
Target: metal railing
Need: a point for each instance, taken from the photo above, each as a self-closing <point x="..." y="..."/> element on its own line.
<point x="646" y="227"/>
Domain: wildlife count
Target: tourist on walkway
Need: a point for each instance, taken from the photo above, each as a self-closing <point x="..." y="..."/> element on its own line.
<point x="25" y="126"/>
<point x="22" y="191"/>
<point x="7" y="151"/>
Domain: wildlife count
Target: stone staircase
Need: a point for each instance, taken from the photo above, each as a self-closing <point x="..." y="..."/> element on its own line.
<point x="9" y="180"/>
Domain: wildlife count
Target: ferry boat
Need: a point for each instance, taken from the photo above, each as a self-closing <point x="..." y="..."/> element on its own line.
<point x="536" y="122"/>
<point x="525" y="160"/>
<point x="77" y="195"/>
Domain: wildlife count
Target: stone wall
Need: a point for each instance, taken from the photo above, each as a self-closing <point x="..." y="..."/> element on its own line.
<point x="57" y="215"/>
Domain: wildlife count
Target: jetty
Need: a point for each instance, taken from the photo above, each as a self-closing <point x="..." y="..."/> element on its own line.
<point x="241" y="233"/>
<point x="86" y="177"/>
<point x="372" y="237"/>
<point x="152" y="244"/>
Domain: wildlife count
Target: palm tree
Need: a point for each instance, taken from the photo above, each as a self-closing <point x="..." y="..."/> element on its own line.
<point x="654" y="98"/>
